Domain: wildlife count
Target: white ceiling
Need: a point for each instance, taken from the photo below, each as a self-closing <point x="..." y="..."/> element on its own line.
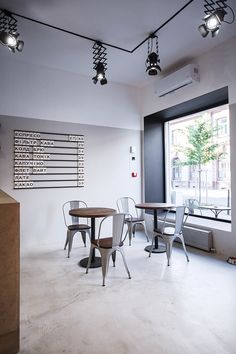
<point x="123" y="23"/>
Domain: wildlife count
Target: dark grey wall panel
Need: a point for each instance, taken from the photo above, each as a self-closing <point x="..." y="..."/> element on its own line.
<point x="154" y="161"/>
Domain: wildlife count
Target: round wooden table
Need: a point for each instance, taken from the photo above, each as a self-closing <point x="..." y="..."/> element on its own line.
<point x="155" y="207"/>
<point x="92" y="213"/>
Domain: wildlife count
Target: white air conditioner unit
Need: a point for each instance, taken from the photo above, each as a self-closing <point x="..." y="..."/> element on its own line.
<point x="187" y="75"/>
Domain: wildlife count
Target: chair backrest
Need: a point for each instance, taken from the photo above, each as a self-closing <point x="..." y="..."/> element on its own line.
<point x="179" y="219"/>
<point x="117" y="228"/>
<point x="192" y="204"/>
<point x="117" y="221"/>
<point x="67" y="206"/>
<point x="126" y="205"/>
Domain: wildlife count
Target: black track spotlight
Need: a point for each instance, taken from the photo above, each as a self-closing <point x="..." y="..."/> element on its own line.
<point x="152" y="62"/>
<point x="100" y="76"/>
<point x="214" y="18"/>
<point x="212" y="23"/>
<point x="100" y="63"/>
<point x="8" y="32"/>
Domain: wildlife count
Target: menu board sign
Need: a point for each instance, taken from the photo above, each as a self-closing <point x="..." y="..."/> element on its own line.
<point x="48" y="160"/>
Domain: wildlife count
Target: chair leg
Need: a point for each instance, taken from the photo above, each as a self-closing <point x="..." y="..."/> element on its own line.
<point x="67" y="239"/>
<point x="145" y="230"/>
<point x="133" y="229"/>
<point x="105" y="256"/>
<point x="127" y="231"/>
<point x="183" y="243"/>
<point x="168" y="252"/>
<point x="114" y="258"/>
<point x="152" y="245"/>
<point x="124" y="260"/>
<point x="70" y="241"/>
<point x="130" y="226"/>
<point x="169" y="242"/>
<point x="83" y="233"/>
<point x="90" y="258"/>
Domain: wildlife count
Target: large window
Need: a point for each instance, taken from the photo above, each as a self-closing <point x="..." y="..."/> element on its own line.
<point x="198" y="161"/>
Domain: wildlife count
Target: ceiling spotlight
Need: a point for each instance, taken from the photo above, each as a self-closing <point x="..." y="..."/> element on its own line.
<point x="212" y="23"/>
<point x="8" y="32"/>
<point x="8" y="39"/>
<point x="100" y="63"/>
<point x="214" y="18"/>
<point x="100" y="76"/>
<point x="11" y="41"/>
<point x="152" y="62"/>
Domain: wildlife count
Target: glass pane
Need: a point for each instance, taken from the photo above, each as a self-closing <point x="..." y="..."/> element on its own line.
<point x="198" y="155"/>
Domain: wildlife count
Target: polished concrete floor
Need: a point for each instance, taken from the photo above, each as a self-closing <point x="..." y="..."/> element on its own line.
<point x="186" y="308"/>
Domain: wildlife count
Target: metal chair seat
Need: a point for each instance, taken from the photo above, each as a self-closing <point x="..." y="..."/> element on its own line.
<point x="79" y="227"/>
<point x="105" y="243"/>
<point x="158" y="230"/>
<point x="169" y="231"/>
<point x="134" y="220"/>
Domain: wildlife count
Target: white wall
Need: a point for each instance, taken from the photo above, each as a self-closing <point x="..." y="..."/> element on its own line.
<point x="52" y="97"/>
<point x="108" y="170"/>
<point x="38" y="92"/>
<point x="217" y="69"/>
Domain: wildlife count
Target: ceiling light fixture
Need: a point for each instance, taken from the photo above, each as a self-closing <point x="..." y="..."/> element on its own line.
<point x="153" y="60"/>
<point x="214" y="17"/>
<point x="99" y="63"/>
<point x="9" y="37"/>
<point x="8" y="32"/>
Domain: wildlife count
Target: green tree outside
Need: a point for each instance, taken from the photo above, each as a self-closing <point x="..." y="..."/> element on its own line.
<point x="200" y="149"/>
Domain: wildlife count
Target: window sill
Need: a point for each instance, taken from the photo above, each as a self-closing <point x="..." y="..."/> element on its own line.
<point x="209" y="223"/>
<point x="206" y="223"/>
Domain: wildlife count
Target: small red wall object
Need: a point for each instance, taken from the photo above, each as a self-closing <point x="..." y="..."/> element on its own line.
<point x="134" y="174"/>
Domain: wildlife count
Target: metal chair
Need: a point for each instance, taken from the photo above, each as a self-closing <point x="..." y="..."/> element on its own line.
<point x="109" y="245"/>
<point x="192" y="205"/>
<point x="73" y="223"/>
<point x="126" y="205"/>
<point x="170" y="233"/>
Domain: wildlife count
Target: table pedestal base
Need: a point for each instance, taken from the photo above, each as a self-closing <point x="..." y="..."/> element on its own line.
<point x="160" y="249"/>
<point x="95" y="264"/>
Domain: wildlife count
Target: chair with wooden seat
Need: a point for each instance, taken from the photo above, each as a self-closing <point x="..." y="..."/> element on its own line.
<point x="108" y="246"/>
<point x="74" y="224"/>
<point x="126" y="205"/>
<point x="171" y="232"/>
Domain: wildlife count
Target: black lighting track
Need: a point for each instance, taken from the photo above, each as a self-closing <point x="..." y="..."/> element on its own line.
<point x="104" y="43"/>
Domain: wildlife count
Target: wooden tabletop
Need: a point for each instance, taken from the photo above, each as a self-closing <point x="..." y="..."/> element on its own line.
<point x="95" y="212"/>
<point x="155" y="206"/>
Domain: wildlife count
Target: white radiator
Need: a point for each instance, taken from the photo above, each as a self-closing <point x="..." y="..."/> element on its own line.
<point x="196" y="237"/>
